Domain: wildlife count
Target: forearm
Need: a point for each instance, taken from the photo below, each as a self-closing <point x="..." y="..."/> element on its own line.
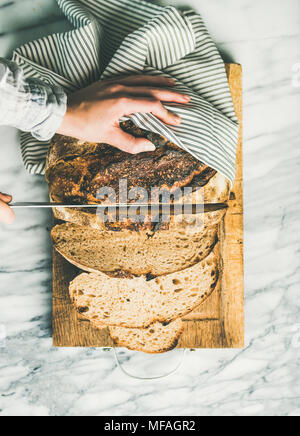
<point x="30" y="105"/>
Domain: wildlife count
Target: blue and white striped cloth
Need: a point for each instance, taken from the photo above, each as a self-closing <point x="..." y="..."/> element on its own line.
<point x="118" y="37"/>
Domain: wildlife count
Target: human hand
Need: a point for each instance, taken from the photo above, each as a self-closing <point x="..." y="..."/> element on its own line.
<point x="93" y="113"/>
<point x="7" y="215"/>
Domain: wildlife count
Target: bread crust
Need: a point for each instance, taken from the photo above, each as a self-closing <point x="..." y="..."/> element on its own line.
<point x="73" y="175"/>
<point x="77" y="178"/>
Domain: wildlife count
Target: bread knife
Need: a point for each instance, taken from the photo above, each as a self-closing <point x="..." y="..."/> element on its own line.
<point x="33" y="205"/>
<point x="174" y="208"/>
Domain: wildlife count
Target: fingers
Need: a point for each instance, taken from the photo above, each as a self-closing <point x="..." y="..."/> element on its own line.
<point x="128" y="143"/>
<point x="5" y="198"/>
<point x="142" y="80"/>
<point x="156" y="93"/>
<point x="129" y="106"/>
<point x="7" y="216"/>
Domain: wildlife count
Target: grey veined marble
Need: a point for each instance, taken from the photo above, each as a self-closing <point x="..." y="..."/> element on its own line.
<point x="263" y="379"/>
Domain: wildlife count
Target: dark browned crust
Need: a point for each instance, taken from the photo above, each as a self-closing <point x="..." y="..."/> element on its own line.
<point x="77" y="178"/>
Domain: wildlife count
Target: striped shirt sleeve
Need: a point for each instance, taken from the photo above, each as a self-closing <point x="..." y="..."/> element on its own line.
<point x="30" y="105"/>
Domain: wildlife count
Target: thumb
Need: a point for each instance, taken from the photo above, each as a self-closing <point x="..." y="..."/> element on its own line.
<point x="128" y="143"/>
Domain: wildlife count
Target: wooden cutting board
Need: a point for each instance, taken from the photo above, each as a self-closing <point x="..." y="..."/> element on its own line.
<point x="219" y="322"/>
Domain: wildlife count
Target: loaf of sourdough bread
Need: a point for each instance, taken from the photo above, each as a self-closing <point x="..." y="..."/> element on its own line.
<point x="176" y="262"/>
<point x="76" y="170"/>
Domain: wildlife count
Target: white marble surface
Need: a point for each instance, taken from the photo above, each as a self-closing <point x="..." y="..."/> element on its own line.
<point x="263" y="379"/>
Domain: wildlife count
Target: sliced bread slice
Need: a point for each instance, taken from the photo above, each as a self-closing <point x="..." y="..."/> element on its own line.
<point x="157" y="338"/>
<point x="139" y="302"/>
<point x="134" y="253"/>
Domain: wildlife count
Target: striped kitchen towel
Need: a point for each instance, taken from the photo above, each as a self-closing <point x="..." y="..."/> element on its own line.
<point x="123" y="37"/>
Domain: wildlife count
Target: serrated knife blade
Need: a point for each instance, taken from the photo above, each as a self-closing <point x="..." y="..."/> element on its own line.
<point x="195" y="208"/>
